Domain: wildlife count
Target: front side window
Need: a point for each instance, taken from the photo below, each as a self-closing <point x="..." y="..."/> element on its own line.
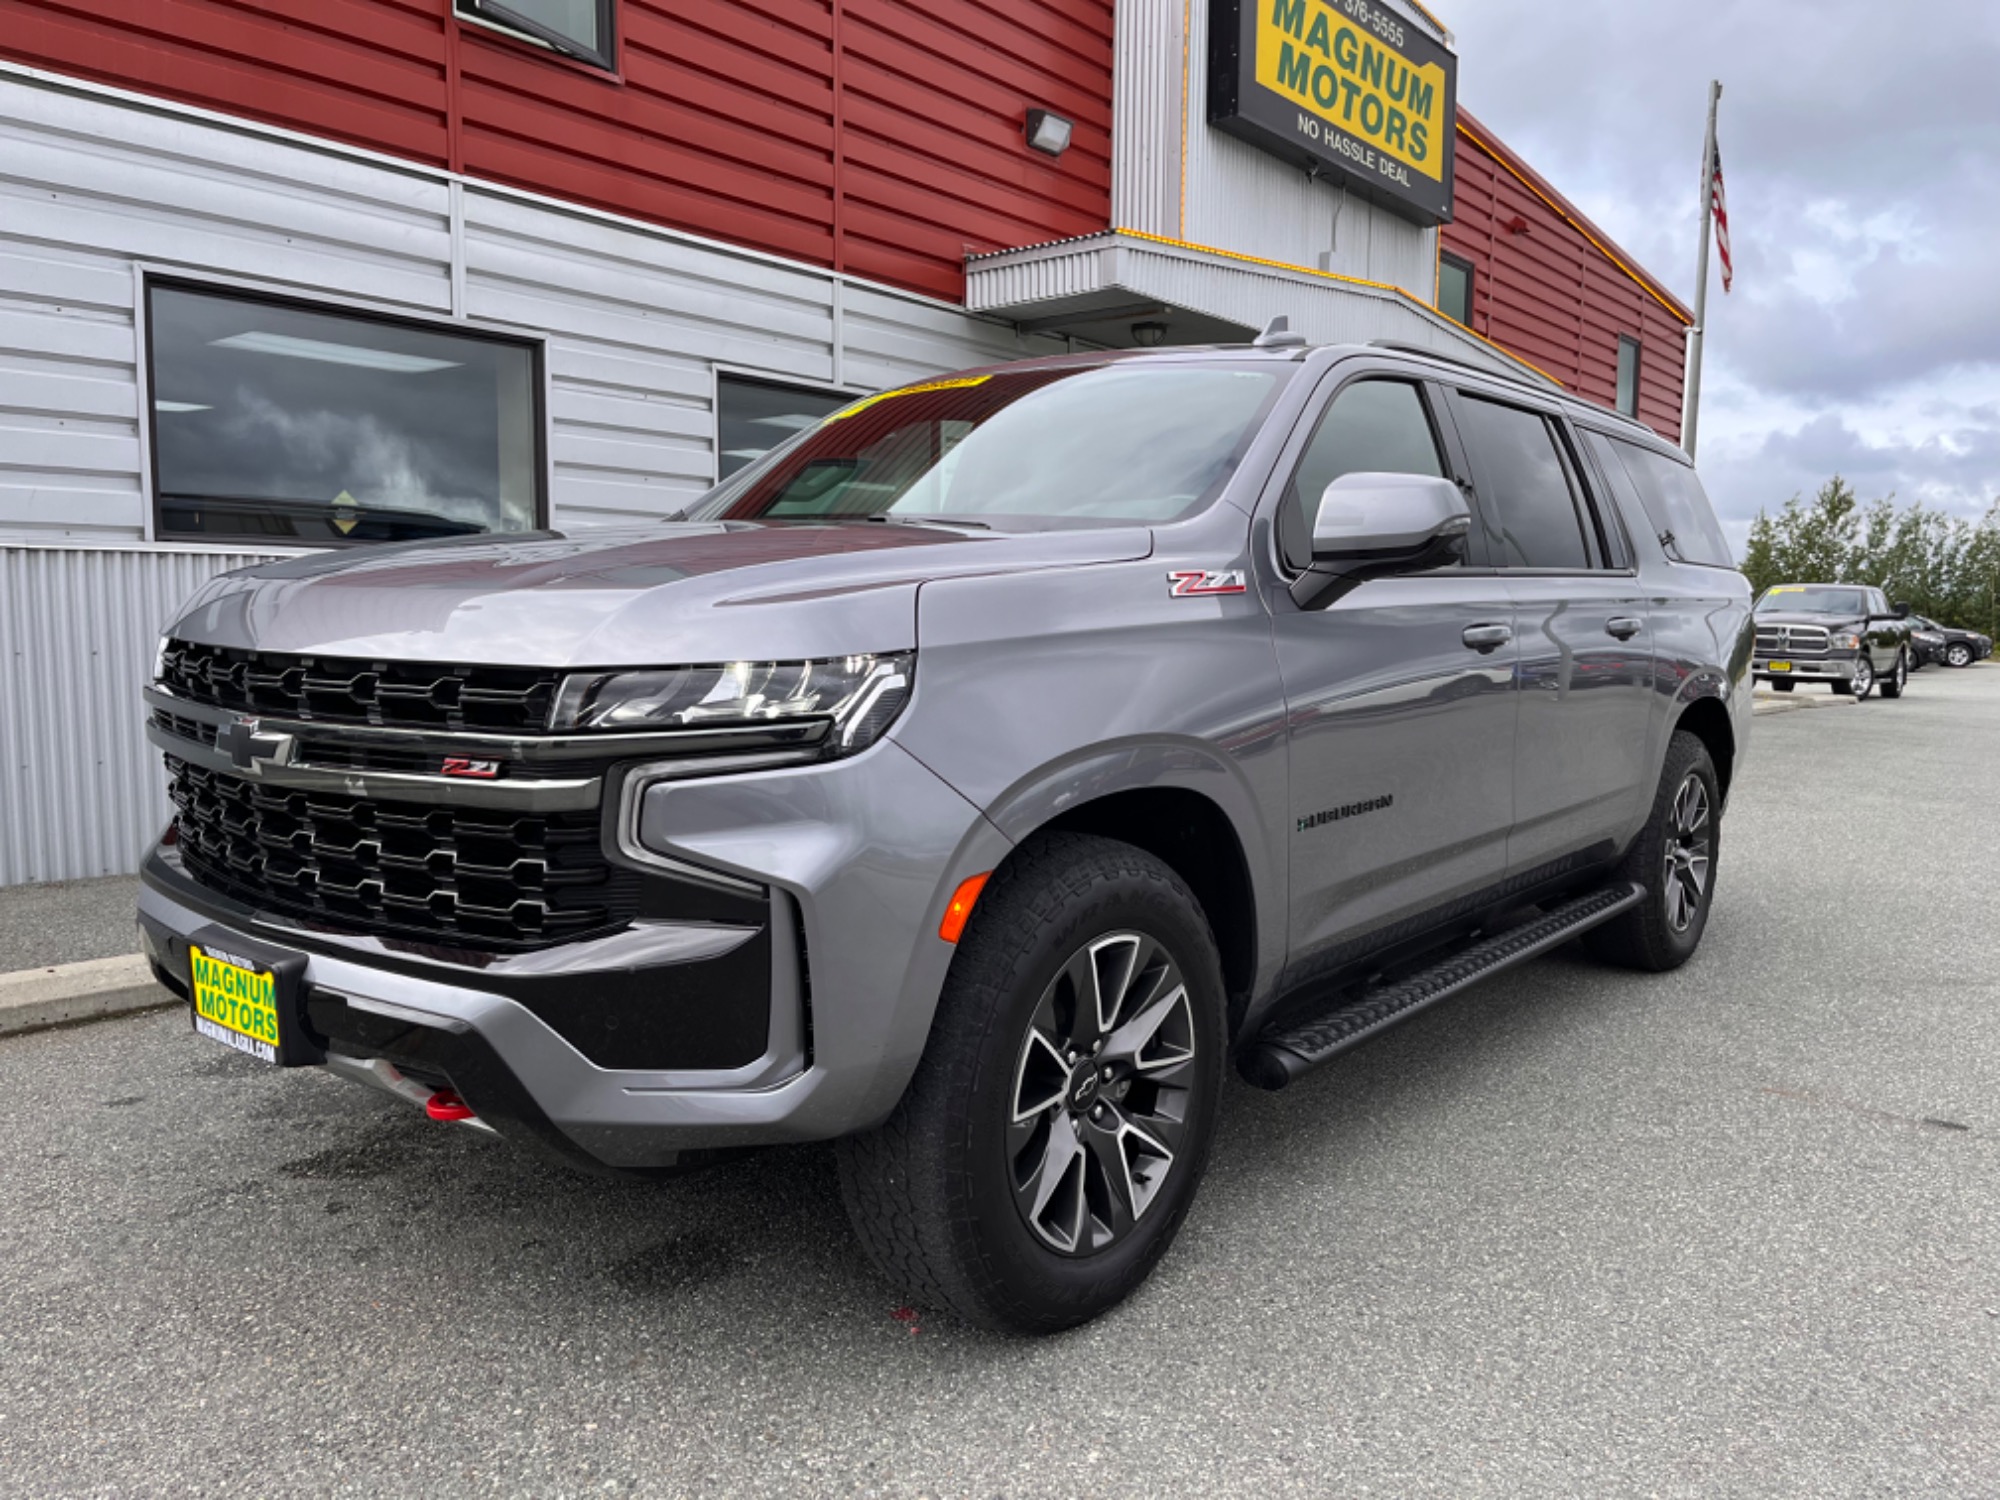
<point x="754" y="416"/>
<point x="582" y="29"/>
<point x="1674" y="502"/>
<point x="285" y="424"/>
<point x="1455" y="288"/>
<point x="1022" y="449"/>
<point x="1373" y="427"/>
<point x="1525" y="497"/>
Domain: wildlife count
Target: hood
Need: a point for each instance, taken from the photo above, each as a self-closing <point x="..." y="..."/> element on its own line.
<point x="1804" y="617"/>
<point x="693" y="592"/>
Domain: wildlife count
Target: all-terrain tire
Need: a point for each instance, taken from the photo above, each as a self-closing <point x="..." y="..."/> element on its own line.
<point x="930" y="1191"/>
<point x="1647" y="937"/>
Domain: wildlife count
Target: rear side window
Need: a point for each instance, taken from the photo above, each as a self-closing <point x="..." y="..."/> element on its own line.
<point x="1373" y="427"/>
<point x="1675" y="503"/>
<point x="1524" y="490"/>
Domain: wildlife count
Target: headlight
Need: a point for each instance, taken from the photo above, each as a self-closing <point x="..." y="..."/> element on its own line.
<point x="160" y="659"/>
<point x="1845" y="643"/>
<point x="861" y="695"/>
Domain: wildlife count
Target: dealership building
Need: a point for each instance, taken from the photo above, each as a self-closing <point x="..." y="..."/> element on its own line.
<point x="277" y="277"/>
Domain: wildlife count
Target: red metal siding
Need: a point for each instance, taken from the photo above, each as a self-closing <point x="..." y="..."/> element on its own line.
<point x="1549" y="294"/>
<point x="878" y="136"/>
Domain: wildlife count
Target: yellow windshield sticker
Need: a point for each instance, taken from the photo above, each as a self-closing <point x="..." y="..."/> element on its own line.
<point x="1789" y="589"/>
<point x="963" y="382"/>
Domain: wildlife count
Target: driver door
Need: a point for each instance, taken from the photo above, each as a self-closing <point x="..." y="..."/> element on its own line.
<point x="1400" y="727"/>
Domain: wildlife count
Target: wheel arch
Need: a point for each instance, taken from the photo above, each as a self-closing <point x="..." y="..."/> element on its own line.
<point x="1708" y="721"/>
<point x="1194" y="812"/>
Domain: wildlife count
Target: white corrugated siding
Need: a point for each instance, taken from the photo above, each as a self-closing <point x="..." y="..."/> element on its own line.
<point x="638" y="321"/>
<point x="80" y="789"/>
<point x="1236" y="197"/>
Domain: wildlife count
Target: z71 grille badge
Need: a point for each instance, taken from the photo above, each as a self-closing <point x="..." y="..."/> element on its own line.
<point x="1195" y="583"/>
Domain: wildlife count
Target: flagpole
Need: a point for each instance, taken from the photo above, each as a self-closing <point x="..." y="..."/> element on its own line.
<point x="1691" y="394"/>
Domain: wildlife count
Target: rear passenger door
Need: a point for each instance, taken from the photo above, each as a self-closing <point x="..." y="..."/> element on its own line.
<point x="1582" y="747"/>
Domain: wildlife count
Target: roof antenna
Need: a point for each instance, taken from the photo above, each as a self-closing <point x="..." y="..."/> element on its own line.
<point x="1278" y="335"/>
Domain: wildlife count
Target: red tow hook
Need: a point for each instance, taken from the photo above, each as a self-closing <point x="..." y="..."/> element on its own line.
<point x="445" y="1105"/>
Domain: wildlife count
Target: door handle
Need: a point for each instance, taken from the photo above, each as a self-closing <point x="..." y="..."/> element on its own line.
<point x="1624" y="627"/>
<point x="1485" y="638"/>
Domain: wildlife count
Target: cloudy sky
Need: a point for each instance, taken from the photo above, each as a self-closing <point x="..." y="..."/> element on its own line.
<point x="1861" y="146"/>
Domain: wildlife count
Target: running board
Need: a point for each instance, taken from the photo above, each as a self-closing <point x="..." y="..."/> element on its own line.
<point x="1280" y="1057"/>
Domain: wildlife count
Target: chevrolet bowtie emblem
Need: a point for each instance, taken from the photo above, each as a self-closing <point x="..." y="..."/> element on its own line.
<point x="250" y="749"/>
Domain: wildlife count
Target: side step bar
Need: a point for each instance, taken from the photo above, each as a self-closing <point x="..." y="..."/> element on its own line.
<point x="1280" y="1057"/>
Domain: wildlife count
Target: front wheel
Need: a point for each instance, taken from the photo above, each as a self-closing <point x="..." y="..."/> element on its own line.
<point x="1674" y="857"/>
<point x="1051" y="1140"/>
<point x="1862" y="683"/>
<point x="1958" y="654"/>
<point x="1898" y="678"/>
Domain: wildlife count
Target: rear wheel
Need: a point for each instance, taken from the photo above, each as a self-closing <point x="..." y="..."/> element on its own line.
<point x="1958" y="654"/>
<point x="1898" y="678"/>
<point x="1674" y="857"/>
<point x="1050" y="1143"/>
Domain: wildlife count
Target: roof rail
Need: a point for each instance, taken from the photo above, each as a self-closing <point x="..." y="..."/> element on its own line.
<point x="1404" y="346"/>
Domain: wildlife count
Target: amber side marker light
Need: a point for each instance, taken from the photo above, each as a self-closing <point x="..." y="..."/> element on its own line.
<point x="960" y="911"/>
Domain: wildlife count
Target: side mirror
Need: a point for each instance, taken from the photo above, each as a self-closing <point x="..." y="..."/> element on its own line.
<point x="1902" y="611"/>
<point x="1377" y="525"/>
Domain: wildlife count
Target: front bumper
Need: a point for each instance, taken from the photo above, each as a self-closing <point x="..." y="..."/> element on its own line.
<point x="1830" y="669"/>
<point x="858" y="858"/>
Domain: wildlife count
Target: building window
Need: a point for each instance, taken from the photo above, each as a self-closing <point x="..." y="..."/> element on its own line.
<point x="753" y="416"/>
<point x="1455" y="288"/>
<point x="582" y="29"/>
<point x="282" y="423"/>
<point x="1628" y="375"/>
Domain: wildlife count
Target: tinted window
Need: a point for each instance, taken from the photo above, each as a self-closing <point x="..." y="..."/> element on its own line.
<point x="1022" y="448"/>
<point x="575" y="28"/>
<point x="1676" y="505"/>
<point x="278" y="422"/>
<point x="752" y="418"/>
<point x="1628" y="375"/>
<point x="1524" y="492"/>
<point x="1375" y="427"/>
<point x="1455" y="288"/>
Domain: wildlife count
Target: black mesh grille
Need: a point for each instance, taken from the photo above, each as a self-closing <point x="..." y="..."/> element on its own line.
<point x="477" y="878"/>
<point x="352" y="690"/>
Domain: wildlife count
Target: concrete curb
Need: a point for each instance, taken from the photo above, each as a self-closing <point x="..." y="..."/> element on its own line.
<point x="34" y="999"/>
<point x="1786" y="703"/>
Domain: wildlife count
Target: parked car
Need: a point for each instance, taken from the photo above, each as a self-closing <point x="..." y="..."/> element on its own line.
<point x="1950" y="645"/>
<point x="1845" y="635"/>
<point x="1926" y="646"/>
<point x="966" y="781"/>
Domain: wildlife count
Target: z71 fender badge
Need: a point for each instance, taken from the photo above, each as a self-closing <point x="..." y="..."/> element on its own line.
<point x="1196" y="584"/>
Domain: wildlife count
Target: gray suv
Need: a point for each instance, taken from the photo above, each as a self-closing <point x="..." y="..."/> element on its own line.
<point x="967" y="781"/>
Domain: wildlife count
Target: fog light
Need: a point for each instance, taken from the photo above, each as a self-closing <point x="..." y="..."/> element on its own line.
<point x="1048" y="133"/>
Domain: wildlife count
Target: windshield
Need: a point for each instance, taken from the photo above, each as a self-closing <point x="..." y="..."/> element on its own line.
<point x="1017" y="449"/>
<point x="1813" y="599"/>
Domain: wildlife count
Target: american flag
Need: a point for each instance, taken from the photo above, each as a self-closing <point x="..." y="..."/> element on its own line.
<point x="1720" y="207"/>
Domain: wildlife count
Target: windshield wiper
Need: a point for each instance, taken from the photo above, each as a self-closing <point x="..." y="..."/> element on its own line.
<point x="908" y="520"/>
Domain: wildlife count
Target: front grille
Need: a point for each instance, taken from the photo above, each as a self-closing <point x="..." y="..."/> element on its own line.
<point x="1805" y="641"/>
<point x="476" y="878"/>
<point x="356" y="690"/>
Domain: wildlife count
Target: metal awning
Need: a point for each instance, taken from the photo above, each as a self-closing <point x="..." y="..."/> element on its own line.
<point x="1097" y="287"/>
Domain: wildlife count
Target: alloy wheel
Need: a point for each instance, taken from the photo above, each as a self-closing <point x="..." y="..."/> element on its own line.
<point x="1864" y="678"/>
<point x="1689" y="842"/>
<point x="1958" y="655"/>
<point x="1101" y="1091"/>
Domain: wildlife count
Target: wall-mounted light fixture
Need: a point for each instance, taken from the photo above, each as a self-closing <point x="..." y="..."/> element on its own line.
<point x="1149" y="335"/>
<point x="1048" y="133"/>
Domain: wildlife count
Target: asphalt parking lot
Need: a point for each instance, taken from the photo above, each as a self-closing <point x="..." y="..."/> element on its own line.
<point x="1732" y="1231"/>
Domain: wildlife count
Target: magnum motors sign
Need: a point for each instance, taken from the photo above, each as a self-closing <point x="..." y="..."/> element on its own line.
<point x="1348" y="85"/>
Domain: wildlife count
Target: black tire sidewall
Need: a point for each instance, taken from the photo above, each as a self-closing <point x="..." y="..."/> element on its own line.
<point x="1691" y="758"/>
<point x="1037" y="1286"/>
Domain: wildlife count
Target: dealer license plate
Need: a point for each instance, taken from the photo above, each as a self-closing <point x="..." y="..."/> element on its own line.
<point x="1779" y="666"/>
<point x="235" y="1005"/>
